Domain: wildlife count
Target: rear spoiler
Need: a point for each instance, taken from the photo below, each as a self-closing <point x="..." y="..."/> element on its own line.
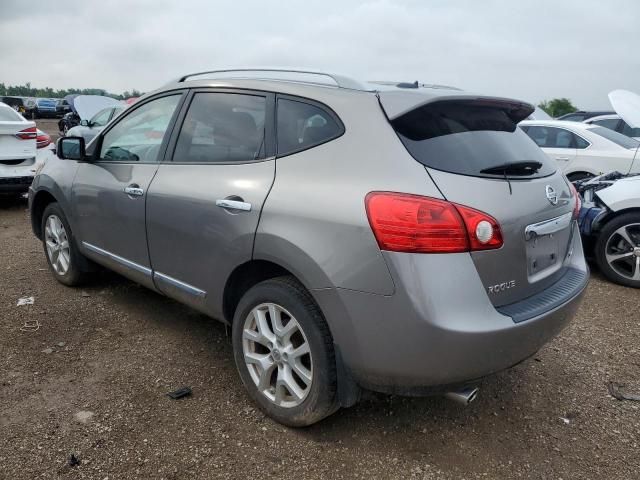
<point x="397" y="103"/>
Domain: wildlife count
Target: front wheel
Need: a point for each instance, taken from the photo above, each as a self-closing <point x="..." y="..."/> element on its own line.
<point x="60" y="249"/>
<point x="618" y="250"/>
<point x="284" y="353"/>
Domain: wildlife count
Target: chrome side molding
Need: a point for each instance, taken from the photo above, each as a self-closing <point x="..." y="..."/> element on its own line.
<point x="190" y="289"/>
<point x="118" y="259"/>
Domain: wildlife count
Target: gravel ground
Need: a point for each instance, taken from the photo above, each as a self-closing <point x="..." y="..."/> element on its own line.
<point x="91" y="381"/>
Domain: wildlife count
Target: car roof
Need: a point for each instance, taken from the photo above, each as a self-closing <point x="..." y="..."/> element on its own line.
<point x="396" y="98"/>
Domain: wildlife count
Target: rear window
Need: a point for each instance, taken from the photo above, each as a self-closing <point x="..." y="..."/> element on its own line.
<point x="467" y="138"/>
<point x="615" y="137"/>
<point x="9" y="115"/>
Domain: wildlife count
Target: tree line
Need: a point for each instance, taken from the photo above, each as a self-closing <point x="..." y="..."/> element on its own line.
<point x="28" y="91"/>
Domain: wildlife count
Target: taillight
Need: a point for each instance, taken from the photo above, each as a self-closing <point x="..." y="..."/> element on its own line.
<point x="578" y="204"/>
<point x="410" y="223"/>
<point x="27" y="134"/>
<point x="43" y="140"/>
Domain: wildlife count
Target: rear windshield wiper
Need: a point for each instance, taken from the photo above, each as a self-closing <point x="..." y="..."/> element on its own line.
<point x="516" y="168"/>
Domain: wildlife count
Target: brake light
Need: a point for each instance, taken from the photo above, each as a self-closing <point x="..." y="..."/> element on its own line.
<point x="42" y="140"/>
<point x="578" y="204"/>
<point x="27" y="134"/>
<point x="410" y="223"/>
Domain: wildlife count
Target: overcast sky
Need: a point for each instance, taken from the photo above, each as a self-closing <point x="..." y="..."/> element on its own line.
<point x="580" y="49"/>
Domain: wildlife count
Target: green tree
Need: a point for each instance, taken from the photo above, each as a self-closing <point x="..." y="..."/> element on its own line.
<point x="557" y="107"/>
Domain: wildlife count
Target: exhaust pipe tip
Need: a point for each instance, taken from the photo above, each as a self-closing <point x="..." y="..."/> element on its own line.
<point x="464" y="396"/>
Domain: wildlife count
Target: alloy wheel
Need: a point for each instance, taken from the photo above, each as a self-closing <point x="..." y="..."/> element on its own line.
<point x="622" y="251"/>
<point x="277" y="355"/>
<point x="57" y="243"/>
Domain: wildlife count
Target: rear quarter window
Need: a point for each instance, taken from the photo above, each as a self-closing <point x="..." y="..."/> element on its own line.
<point x="302" y="125"/>
<point x="466" y="138"/>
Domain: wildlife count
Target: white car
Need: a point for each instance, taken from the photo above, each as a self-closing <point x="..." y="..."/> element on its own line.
<point x="615" y="123"/>
<point x="582" y="150"/>
<point x="88" y="129"/>
<point x="18" y="151"/>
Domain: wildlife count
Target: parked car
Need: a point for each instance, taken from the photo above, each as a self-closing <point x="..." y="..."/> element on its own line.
<point x="610" y="225"/>
<point x="581" y="115"/>
<point x="18" y="151"/>
<point x="88" y="129"/>
<point x="23" y="106"/>
<point x="583" y="150"/>
<point x="615" y="123"/>
<point x="84" y="107"/>
<point x="413" y="241"/>
<point x="62" y="107"/>
<point x="67" y="122"/>
<point x="45" y="108"/>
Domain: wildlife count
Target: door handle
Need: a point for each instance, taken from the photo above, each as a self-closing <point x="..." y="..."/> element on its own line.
<point x="134" y="190"/>
<point x="563" y="159"/>
<point x="234" y="205"/>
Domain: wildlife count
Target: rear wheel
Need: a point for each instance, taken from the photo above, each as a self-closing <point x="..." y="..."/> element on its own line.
<point x="618" y="250"/>
<point x="63" y="257"/>
<point x="284" y="353"/>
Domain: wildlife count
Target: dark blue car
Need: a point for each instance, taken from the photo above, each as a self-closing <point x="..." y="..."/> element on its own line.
<point x="45" y="107"/>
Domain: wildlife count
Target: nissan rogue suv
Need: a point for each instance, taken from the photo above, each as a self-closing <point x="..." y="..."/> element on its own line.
<point x="402" y="238"/>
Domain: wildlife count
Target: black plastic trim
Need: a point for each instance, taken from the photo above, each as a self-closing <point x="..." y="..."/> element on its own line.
<point x="566" y="288"/>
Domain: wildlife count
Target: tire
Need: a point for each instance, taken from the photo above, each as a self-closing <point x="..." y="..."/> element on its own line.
<point x="625" y="269"/>
<point x="574" y="177"/>
<point x="316" y="398"/>
<point x="74" y="274"/>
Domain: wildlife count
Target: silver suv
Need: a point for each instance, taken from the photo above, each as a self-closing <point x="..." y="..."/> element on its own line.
<point x="402" y="238"/>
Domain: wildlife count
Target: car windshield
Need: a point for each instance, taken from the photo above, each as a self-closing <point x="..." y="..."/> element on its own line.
<point x="615" y="137"/>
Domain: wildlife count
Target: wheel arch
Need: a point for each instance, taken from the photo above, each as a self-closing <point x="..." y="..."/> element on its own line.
<point x="41" y="199"/>
<point x="611" y="215"/>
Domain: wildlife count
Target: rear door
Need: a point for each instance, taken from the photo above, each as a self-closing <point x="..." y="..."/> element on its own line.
<point x="204" y="205"/>
<point x="110" y="191"/>
<point x="557" y="143"/>
<point x="463" y="145"/>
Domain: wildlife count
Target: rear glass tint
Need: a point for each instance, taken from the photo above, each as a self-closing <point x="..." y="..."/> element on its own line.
<point x="467" y="137"/>
<point x="302" y="125"/>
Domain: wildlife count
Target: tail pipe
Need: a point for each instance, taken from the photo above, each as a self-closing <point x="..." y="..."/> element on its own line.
<point x="464" y="396"/>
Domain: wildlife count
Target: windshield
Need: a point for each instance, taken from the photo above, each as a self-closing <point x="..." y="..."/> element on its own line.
<point x="615" y="137"/>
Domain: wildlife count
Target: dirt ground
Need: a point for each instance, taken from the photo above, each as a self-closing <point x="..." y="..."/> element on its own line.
<point x="92" y="382"/>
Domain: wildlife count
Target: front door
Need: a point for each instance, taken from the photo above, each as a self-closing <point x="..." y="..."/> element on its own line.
<point x="110" y="190"/>
<point x="204" y="205"/>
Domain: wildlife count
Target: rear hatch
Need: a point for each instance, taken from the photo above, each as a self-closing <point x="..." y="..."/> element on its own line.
<point x="17" y="137"/>
<point x="478" y="157"/>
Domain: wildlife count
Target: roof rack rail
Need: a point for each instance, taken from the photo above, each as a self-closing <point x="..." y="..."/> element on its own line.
<point x="339" y="81"/>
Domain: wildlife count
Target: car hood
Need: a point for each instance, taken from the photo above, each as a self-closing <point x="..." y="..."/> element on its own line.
<point x="88" y="105"/>
<point x="627" y="105"/>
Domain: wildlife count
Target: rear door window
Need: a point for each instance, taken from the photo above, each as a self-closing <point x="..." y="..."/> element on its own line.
<point x="222" y="128"/>
<point x="303" y="125"/>
<point x="467" y="137"/>
<point x="551" y="137"/>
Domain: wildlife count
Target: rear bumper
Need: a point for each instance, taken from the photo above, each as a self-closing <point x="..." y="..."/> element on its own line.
<point x="15" y="185"/>
<point x="439" y="328"/>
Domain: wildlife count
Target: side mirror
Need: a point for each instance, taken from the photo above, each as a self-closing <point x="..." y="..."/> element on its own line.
<point x="70" y="148"/>
<point x="85" y="123"/>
